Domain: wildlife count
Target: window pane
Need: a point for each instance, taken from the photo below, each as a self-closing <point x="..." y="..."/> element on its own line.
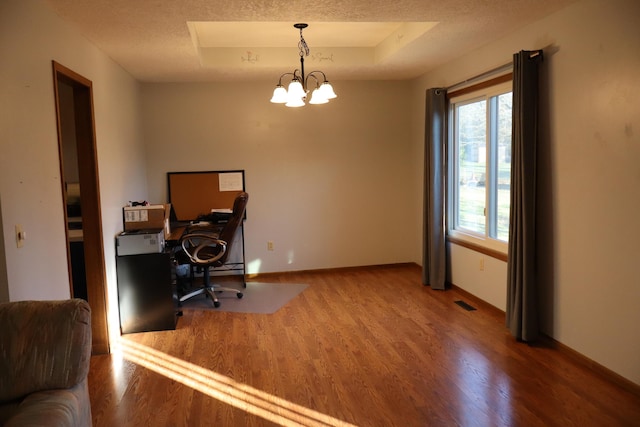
<point x="504" y="165"/>
<point x="479" y="170"/>
<point x="471" y="162"/>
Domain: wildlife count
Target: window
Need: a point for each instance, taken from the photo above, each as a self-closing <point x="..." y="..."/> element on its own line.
<point x="480" y="165"/>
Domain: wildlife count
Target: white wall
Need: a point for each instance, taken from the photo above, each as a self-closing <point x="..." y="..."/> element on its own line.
<point x="478" y="274"/>
<point x="31" y="36"/>
<point x="589" y="181"/>
<point x="330" y="184"/>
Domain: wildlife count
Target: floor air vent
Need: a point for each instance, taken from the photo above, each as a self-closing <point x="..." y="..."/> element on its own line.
<point x="465" y="305"/>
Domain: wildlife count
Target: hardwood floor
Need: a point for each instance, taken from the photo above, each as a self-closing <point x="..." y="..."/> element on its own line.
<point x="364" y="347"/>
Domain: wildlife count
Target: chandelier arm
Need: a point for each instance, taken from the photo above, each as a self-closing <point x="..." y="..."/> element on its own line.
<point x="314" y="77"/>
<point x="285" y="74"/>
<point x="324" y="77"/>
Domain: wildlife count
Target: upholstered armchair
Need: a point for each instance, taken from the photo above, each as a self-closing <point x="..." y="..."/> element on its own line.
<point x="45" y="350"/>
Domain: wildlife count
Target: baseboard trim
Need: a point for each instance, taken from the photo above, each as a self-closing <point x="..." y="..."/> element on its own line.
<point x="564" y="349"/>
<point x="332" y="270"/>
<point x="592" y="365"/>
<point x="476" y="300"/>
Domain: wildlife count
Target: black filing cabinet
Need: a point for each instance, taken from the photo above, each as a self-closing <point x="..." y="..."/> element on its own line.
<point x="145" y="293"/>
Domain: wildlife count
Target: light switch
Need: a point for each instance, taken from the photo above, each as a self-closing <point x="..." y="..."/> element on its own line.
<point x="20" y="236"/>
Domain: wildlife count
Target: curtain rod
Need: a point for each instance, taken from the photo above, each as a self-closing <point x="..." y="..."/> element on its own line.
<point x="501" y="68"/>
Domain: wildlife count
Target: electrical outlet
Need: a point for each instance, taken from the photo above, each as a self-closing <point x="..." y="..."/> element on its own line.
<point x="481" y="266"/>
<point x="270" y="245"/>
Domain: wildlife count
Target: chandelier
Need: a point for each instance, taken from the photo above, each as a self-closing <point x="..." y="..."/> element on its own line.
<point x="296" y="95"/>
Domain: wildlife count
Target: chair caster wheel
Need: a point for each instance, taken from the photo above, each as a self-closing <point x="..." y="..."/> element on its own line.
<point x="216" y="304"/>
<point x="239" y="295"/>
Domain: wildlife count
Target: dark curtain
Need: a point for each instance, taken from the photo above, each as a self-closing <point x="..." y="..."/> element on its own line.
<point x="434" y="250"/>
<point x="522" y="304"/>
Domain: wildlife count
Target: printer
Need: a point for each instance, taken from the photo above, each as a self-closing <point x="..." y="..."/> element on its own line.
<point x="136" y="242"/>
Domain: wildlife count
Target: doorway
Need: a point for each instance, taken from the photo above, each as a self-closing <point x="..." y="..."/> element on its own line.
<point x="81" y="197"/>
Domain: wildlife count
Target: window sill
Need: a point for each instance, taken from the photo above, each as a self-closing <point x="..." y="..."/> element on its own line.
<point x="478" y="248"/>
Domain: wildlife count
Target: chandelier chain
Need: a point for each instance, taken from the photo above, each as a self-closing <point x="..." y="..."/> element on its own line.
<point x="304" y="48"/>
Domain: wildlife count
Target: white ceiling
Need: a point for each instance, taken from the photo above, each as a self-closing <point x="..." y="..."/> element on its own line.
<point x="216" y="40"/>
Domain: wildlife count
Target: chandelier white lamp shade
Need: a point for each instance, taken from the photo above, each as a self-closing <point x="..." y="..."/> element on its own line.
<point x="279" y="95"/>
<point x="296" y="94"/>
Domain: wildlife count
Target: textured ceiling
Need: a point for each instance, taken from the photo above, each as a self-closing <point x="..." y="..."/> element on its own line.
<point x="216" y="40"/>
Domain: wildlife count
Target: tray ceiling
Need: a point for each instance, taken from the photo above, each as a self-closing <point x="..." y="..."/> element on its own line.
<point x="219" y="40"/>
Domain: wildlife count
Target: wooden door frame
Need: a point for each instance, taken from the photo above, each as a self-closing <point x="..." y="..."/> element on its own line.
<point x="90" y="201"/>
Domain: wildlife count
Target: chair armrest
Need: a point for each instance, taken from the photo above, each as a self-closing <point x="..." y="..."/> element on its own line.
<point x="60" y="407"/>
<point x="203" y="248"/>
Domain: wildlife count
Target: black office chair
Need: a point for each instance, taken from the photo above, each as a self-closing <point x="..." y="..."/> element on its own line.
<point x="209" y="247"/>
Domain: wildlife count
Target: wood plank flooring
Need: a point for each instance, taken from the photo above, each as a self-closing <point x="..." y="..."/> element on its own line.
<point x="359" y="347"/>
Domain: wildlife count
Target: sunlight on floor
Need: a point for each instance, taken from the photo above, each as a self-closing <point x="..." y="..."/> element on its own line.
<point x="225" y="389"/>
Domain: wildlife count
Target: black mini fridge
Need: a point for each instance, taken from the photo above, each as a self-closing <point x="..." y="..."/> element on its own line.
<point x="145" y="293"/>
